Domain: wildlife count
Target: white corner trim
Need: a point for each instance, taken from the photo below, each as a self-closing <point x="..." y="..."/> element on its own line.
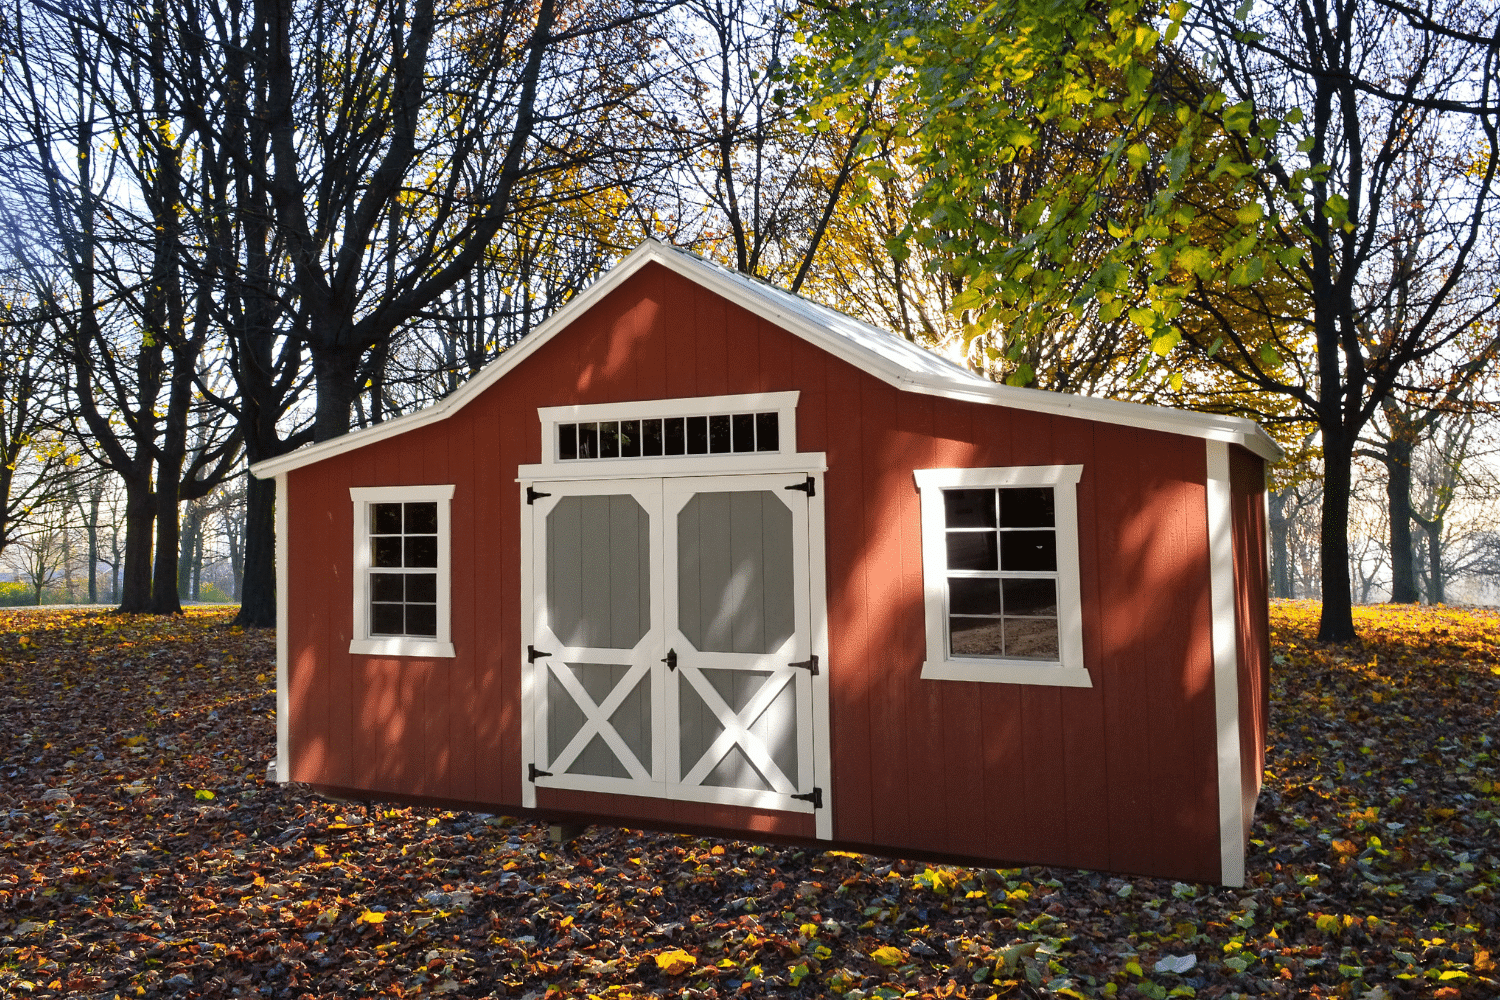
<point x="1226" y="667"/>
<point x="283" y="641"/>
<point x="1069" y="670"/>
<point x="768" y="303"/>
<point x="362" y="642"/>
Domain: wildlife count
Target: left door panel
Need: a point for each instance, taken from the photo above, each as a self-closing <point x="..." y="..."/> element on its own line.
<point x="596" y="636"/>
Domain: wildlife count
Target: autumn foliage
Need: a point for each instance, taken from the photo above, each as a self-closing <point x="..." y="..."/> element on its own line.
<point x="142" y="854"/>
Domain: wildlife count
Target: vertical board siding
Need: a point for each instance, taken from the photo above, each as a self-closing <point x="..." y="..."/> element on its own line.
<point x="1252" y="588"/>
<point x="1119" y="775"/>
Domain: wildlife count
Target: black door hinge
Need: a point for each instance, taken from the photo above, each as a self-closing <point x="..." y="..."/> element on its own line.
<point x="533" y="772"/>
<point x="670" y="659"/>
<point x="810" y="664"/>
<point x="533" y="494"/>
<point x="808" y="486"/>
<point x="815" y="797"/>
<point x="533" y="654"/>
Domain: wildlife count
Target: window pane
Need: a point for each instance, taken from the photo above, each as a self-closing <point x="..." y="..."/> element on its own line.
<point x="421" y="619"/>
<point x="974" y="636"/>
<point x="972" y="550"/>
<point x="421" y="519"/>
<point x="1031" y="638"/>
<point x="767" y="432"/>
<point x="1029" y="508"/>
<point x="387" y="551"/>
<point x="387" y="587"/>
<point x="718" y="433"/>
<point x="744" y="431"/>
<point x="567" y="441"/>
<point x="970" y="508"/>
<point x="421" y="587"/>
<point x="609" y="440"/>
<point x="588" y="440"/>
<point x="630" y="439"/>
<point x="973" y="597"/>
<point x="651" y="433"/>
<point x="676" y="438"/>
<point x="421" y="550"/>
<point x="385" y="519"/>
<point x="697" y="435"/>
<point x="386" y="619"/>
<point x="1029" y="597"/>
<point x="1028" y="550"/>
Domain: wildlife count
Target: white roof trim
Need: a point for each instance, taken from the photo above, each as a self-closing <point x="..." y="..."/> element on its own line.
<point x="888" y="357"/>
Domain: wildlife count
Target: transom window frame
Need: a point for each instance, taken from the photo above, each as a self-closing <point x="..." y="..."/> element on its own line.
<point x="365" y="643"/>
<point x="1068" y="670"/>
<point x="785" y="458"/>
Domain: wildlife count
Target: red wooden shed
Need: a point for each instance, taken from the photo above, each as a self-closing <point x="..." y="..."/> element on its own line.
<point x="700" y="554"/>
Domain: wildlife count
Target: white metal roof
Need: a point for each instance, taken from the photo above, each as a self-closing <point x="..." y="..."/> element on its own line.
<point x="885" y="355"/>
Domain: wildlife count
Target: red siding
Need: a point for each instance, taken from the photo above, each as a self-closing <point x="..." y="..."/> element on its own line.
<point x="1252" y="589"/>
<point x="1119" y="776"/>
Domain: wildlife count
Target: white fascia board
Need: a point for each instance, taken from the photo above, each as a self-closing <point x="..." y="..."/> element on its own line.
<point x="747" y="293"/>
<point x="1208" y="426"/>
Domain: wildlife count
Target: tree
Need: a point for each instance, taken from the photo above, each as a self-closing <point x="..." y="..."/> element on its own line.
<point x="33" y="460"/>
<point x="1358" y="139"/>
<point x="98" y="161"/>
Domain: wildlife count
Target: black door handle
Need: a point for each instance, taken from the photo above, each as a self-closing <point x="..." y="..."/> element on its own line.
<point x="671" y="659"/>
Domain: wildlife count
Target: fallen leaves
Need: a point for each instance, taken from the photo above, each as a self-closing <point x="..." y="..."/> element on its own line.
<point x="1372" y="866"/>
<point x="675" y="961"/>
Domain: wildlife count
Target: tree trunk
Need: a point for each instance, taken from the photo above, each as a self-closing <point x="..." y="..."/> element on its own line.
<point x="258" y="591"/>
<point x="1280" y="527"/>
<point x="95" y="495"/>
<point x="1337" y="622"/>
<point x="164" y="599"/>
<point x="1436" y="592"/>
<point x="198" y="562"/>
<point x="236" y="557"/>
<point x="335" y="372"/>
<point x="1397" y="461"/>
<point x="190" y="520"/>
<point x="134" y="585"/>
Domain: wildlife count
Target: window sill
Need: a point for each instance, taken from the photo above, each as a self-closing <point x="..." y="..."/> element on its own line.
<point x="402" y="647"/>
<point x="1006" y="672"/>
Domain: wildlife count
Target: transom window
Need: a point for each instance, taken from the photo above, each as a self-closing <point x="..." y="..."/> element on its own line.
<point x="1000" y="575"/>
<point x="652" y="437"/>
<point x="404" y="557"/>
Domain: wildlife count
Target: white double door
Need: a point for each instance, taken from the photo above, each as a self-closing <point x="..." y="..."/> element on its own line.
<point x="670" y="652"/>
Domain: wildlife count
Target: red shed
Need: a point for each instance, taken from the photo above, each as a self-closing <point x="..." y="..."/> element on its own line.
<point x="701" y="554"/>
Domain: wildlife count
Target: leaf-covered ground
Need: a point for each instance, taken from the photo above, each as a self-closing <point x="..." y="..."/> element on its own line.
<point x="141" y="854"/>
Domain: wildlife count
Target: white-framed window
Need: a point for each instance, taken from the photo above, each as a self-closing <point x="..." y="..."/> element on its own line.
<point x="710" y="435"/>
<point x="1000" y="575"/>
<point x="401" y="570"/>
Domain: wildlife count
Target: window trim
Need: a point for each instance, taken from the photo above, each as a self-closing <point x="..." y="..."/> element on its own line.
<point x="363" y="642"/>
<point x="785" y="458"/>
<point x="1069" y="670"/>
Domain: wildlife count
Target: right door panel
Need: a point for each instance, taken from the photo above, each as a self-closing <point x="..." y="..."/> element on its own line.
<point x="738" y="621"/>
